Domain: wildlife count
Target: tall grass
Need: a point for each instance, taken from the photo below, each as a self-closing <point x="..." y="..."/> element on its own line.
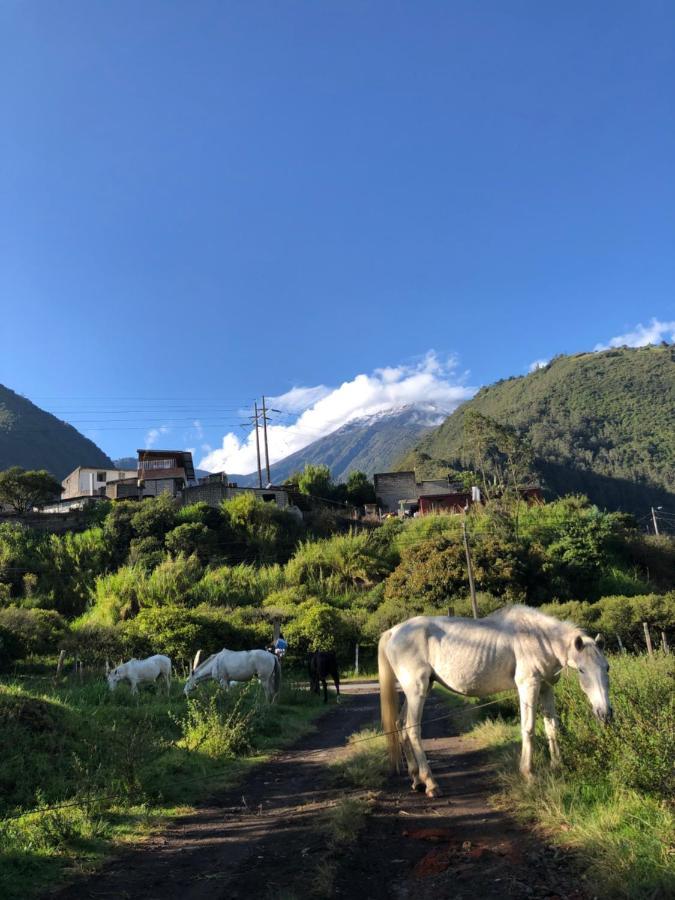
<point x="114" y="763"/>
<point x="613" y="800"/>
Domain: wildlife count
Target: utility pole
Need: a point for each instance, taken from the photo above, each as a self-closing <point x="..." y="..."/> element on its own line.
<point x="257" y="440"/>
<point x="472" y="586"/>
<point x="267" y="452"/>
<point x="656" y="527"/>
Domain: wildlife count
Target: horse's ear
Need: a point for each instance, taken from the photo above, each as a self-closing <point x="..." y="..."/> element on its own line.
<point x="578" y="643"/>
<point x="600" y="642"/>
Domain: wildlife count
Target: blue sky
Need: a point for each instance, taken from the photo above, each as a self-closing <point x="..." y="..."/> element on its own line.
<point x="203" y="202"/>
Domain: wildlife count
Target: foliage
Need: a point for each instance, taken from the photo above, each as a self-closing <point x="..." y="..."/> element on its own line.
<point x="239" y="585"/>
<point x="597" y="423"/>
<point x="261" y="532"/>
<point x="21" y="490"/>
<point x="316" y="481"/>
<point x="339" y="563"/>
<point x="318" y="626"/>
<point x="360" y="489"/>
<point x="37" y="631"/>
<point x="171" y="630"/>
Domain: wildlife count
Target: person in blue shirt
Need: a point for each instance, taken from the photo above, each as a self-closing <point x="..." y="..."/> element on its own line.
<point x="280" y="646"/>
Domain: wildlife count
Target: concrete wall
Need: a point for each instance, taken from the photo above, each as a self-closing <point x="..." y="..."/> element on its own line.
<point x="390" y="487"/>
<point x="212" y="492"/>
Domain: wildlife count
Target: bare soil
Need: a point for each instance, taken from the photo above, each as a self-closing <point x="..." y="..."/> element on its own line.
<point x="265" y="839"/>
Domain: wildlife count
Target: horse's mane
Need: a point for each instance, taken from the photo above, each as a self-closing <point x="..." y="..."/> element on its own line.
<point x="204" y="662"/>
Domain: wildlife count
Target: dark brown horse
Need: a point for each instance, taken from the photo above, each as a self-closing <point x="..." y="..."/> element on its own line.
<point x="322" y="664"/>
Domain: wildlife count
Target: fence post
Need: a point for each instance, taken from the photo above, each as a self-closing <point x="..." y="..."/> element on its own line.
<point x="59" y="665"/>
<point x="472" y="587"/>
<point x="356" y="659"/>
<point x="621" y="646"/>
<point x="664" y="642"/>
<point x="648" y="639"/>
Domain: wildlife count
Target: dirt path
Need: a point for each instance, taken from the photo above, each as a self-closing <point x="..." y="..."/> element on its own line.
<point x="263" y="839"/>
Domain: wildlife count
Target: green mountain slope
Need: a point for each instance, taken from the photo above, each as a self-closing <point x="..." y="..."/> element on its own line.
<point x="600" y="423"/>
<point x="35" y="439"/>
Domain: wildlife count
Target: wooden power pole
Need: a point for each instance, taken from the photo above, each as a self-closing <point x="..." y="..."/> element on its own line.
<point x="472" y="586"/>
<point x="267" y="452"/>
<point x="256" y="425"/>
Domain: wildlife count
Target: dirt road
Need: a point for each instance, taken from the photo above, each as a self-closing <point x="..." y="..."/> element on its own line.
<point x="263" y="839"/>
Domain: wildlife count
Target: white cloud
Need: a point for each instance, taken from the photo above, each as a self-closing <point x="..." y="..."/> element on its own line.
<point x="538" y="364"/>
<point x="642" y="335"/>
<point x="199" y="431"/>
<point x="154" y="433"/>
<point x="323" y="410"/>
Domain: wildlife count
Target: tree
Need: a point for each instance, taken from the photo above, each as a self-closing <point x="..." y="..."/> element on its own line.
<point x="22" y="490"/>
<point x="359" y="489"/>
<point x="316" y="481"/>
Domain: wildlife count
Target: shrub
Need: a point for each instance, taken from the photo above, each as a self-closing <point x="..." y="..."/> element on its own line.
<point x="189" y="538"/>
<point x="172" y="582"/>
<point x="154" y="517"/>
<point x="96" y="644"/>
<point x="638" y="749"/>
<point x="341" y="563"/>
<point x="117" y="596"/>
<point x="220" y="726"/>
<point x="240" y="585"/>
<point x="36" y="630"/>
<point x="261" y="532"/>
<point x="172" y="630"/>
<point x="318" y="626"/>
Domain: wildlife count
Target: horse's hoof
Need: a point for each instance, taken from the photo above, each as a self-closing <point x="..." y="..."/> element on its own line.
<point x="433" y="792"/>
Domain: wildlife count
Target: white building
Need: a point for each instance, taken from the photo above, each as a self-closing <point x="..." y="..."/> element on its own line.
<point x="86" y="481"/>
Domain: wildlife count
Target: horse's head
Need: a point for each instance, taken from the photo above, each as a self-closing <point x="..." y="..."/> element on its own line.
<point x="190" y="685"/>
<point x="114" y="677"/>
<point x="587" y="658"/>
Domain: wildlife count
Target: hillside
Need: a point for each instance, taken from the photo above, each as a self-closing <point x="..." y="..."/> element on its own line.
<point x="35" y="439"/>
<point x="371" y="444"/>
<point x="599" y="423"/>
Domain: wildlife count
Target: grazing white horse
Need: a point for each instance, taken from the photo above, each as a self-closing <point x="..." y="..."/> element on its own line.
<point x="142" y="671"/>
<point x="239" y="665"/>
<point x="514" y="647"/>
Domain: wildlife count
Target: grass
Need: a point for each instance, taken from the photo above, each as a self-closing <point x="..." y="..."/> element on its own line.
<point x="612" y="802"/>
<point x="122" y="765"/>
<point x="365" y="764"/>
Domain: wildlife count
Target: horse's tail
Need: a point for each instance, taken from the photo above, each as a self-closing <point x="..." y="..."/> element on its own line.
<point x="388" y="702"/>
<point x="276" y="677"/>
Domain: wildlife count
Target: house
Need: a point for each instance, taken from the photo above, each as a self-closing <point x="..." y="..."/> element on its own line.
<point x="215" y="488"/>
<point x="91" y="481"/>
<point x="158" y="472"/>
<point x="400" y="492"/>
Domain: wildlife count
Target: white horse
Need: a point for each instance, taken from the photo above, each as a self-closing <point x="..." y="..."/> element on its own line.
<point x="142" y="671"/>
<point x="239" y="665"/>
<point x="514" y="647"/>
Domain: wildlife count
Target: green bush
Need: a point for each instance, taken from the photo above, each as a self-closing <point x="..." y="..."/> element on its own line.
<point x="172" y="582"/>
<point x="189" y="538"/>
<point x="117" y="596"/>
<point x="340" y="563"/>
<point x="96" y="644"/>
<point x="240" y="585"/>
<point x="171" y="630"/>
<point x="37" y="631"/>
<point x="638" y="749"/>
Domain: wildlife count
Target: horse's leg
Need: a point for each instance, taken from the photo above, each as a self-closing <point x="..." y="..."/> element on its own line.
<point x="413" y="768"/>
<point x="325" y="689"/>
<point x="416" y="695"/>
<point x="528" y="691"/>
<point x="550" y="723"/>
<point x="336" y="681"/>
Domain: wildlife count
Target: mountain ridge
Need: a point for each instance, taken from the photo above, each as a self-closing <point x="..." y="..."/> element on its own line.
<point x="370" y="444"/>
<point x="599" y="423"/>
<point x="32" y="438"/>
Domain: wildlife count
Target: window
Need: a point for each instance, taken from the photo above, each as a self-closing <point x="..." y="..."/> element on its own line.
<point x="100" y="476"/>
